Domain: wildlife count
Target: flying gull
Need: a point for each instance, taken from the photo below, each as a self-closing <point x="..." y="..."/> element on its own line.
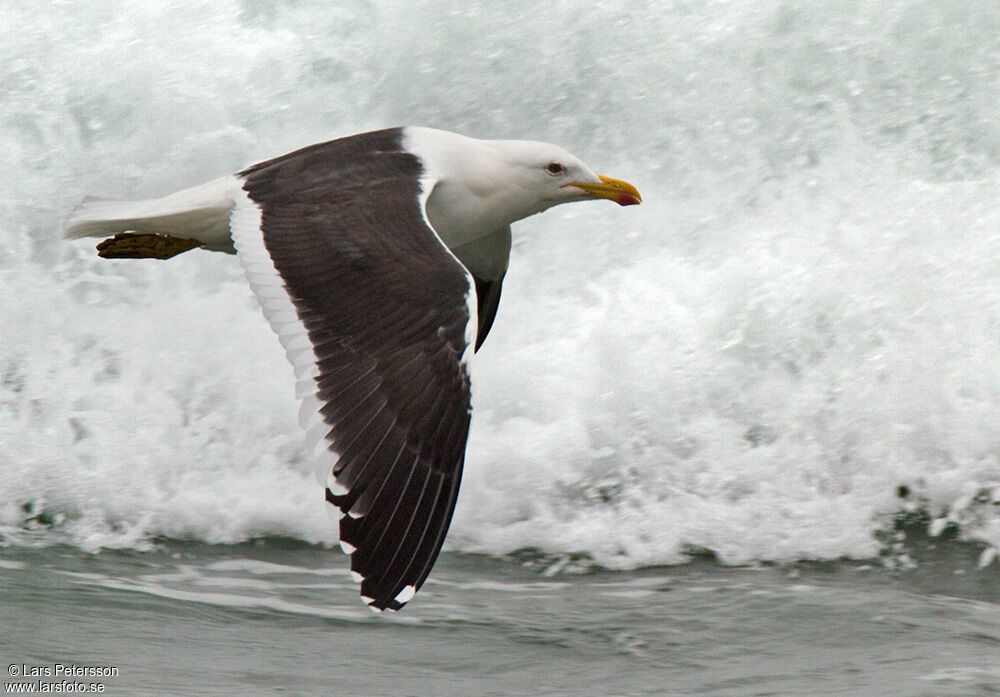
<point x="378" y="260"/>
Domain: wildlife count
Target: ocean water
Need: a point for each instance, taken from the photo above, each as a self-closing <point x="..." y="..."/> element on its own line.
<point x="787" y="355"/>
<point x="282" y="618"/>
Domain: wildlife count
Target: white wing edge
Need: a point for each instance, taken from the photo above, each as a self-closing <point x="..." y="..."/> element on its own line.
<point x="248" y="237"/>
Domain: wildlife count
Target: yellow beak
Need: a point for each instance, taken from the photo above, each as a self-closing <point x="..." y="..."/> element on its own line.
<point x="621" y="192"/>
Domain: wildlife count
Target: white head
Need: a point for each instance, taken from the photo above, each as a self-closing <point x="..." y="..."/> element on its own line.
<point x="480" y="186"/>
<point x="550" y="175"/>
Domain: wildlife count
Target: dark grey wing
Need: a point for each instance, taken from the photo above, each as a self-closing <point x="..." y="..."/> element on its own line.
<point x="488" y="300"/>
<point x="378" y="338"/>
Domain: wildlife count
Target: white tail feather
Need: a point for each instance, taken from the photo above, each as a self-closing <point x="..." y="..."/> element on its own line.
<point x="200" y="213"/>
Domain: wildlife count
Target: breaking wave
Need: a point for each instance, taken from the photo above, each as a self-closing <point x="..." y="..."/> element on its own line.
<point x="790" y="344"/>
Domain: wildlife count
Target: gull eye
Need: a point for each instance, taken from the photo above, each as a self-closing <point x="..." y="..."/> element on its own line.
<point x="555" y="169"/>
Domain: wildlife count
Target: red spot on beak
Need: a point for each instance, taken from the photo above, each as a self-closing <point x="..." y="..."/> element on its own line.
<point x="621" y="192"/>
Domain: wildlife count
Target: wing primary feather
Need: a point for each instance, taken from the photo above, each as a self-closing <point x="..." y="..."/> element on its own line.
<point x="446" y="514"/>
<point x="414" y="510"/>
<point x="373" y="548"/>
<point x="405" y="577"/>
<point x="361" y="537"/>
<point x="360" y="485"/>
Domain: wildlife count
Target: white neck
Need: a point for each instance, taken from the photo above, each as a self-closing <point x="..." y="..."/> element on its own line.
<point x="466" y="202"/>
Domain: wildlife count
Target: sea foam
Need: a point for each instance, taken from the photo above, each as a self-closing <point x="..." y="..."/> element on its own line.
<point x="791" y="342"/>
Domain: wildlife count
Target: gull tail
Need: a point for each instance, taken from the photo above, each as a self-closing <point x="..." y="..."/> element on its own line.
<point x="158" y="227"/>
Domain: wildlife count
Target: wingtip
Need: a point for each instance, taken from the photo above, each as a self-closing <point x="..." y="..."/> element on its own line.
<point x="392" y="605"/>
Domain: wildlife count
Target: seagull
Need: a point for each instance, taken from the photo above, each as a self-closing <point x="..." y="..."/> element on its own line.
<point x="378" y="260"/>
